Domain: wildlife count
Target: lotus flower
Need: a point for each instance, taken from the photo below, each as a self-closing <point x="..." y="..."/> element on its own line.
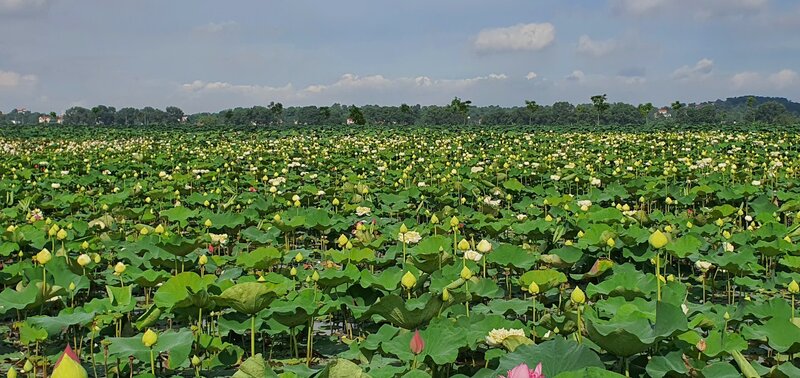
<point x="522" y="371"/>
<point x="417" y="344"/>
<point x="69" y="367"/>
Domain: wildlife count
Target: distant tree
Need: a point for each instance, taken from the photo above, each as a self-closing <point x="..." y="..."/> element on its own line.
<point x="532" y="107"/>
<point x="677" y="106"/>
<point x="600" y="105"/>
<point x="174" y="115"/>
<point x="53" y="115"/>
<point x="228" y="117"/>
<point x="277" y="111"/>
<point x="77" y="115"/>
<point x="772" y="112"/>
<point x="357" y="116"/>
<point x="645" y="110"/>
<point x="461" y="107"/>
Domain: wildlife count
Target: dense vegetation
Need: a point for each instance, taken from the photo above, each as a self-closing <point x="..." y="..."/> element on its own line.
<point x="739" y="110"/>
<point x="303" y="251"/>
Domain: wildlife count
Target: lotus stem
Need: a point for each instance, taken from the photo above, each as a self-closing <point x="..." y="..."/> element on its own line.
<point x="252" y="335"/>
<point x="466" y="303"/>
<point x="658" y="280"/>
<point x="152" y="361"/>
<point x="579" y="325"/>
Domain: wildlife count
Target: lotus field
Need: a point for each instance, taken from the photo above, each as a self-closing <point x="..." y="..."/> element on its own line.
<point x="413" y="252"/>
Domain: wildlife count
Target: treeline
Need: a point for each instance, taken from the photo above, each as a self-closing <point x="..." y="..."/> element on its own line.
<point x="458" y="112"/>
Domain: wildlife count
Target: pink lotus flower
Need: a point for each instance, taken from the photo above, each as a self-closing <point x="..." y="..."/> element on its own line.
<point x="522" y="371"/>
<point x="417" y="344"/>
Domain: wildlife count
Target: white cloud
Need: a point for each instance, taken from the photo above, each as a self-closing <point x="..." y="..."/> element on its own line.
<point x="348" y="84"/>
<point x="784" y="78"/>
<point x="531" y="75"/>
<point x="23" y="6"/>
<point x="596" y="48"/>
<point x="13" y="80"/>
<point x="218" y="27"/>
<point x="522" y="37"/>
<point x="700" y="69"/>
<point x="576" y="75"/>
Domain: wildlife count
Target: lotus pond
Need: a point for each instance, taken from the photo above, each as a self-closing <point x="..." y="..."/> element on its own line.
<point x="411" y="252"/>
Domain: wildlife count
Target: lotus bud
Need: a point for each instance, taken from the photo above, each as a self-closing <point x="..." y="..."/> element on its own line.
<point x="445" y="295"/>
<point x="104" y="207"/>
<point x="293" y="271"/>
<point x="533" y="288"/>
<point x="434" y="219"/>
<point x="793" y="287"/>
<point x="335" y="202"/>
<point x="466" y="273"/>
<point x="11" y="373"/>
<point x="149" y="338"/>
<point x="61" y="234"/>
<point x="463" y="245"/>
<point x="85" y="245"/>
<point x="668" y="228"/>
<point x="726" y="234"/>
<point x="578" y="296"/>
<point x="298" y="257"/>
<point x="295" y="198"/>
<point x="208" y="223"/>
<point x="342" y="240"/>
<point x="195" y="361"/>
<point x="315" y="276"/>
<point x="657" y="239"/>
<point x="548" y="218"/>
<point x="84" y="259"/>
<point x="403" y="228"/>
<point x="119" y="268"/>
<point x="580" y="234"/>
<point x="159" y="229"/>
<point x="611" y="243"/>
<point x="44" y="256"/>
<point x="202" y="260"/>
<point x="71" y="286"/>
<point x="27" y="367"/>
<point x="719" y="222"/>
<point x="454" y="222"/>
<point x="484" y="246"/>
<point x="277" y="218"/>
<point x="726" y="316"/>
<point x="97" y="258"/>
<point x="671" y="278"/>
<point x="689" y="225"/>
<point x="408" y="281"/>
<point x="261" y="278"/>
<point x="349" y="245"/>
<point x="417" y="344"/>
<point x="68" y="366"/>
<point x="144" y="231"/>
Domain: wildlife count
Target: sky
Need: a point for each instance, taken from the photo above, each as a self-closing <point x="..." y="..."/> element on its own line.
<point x="203" y="55"/>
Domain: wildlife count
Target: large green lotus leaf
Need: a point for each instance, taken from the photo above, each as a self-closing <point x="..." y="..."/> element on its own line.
<point x="597" y="235"/>
<point x="626" y="281"/>
<point x="517" y="306"/>
<point x="176" y="244"/>
<point x="442" y="343"/>
<point x="354" y="255"/>
<point x="55" y="325"/>
<point x="556" y="356"/>
<point x="432" y="245"/>
<point x="786" y="370"/>
<point x="121" y="298"/>
<point x="30" y="297"/>
<point x="177" y="344"/>
<point x="774" y="308"/>
<point x="254" y="367"/>
<point x="408" y="315"/>
<point x="744" y="261"/>
<point x="599" y="267"/>
<point x="30" y="333"/>
<point x="260" y="258"/>
<point x="631" y="330"/>
<point x="254" y="234"/>
<point x="513" y="184"/>
<point x="334" y="277"/>
<point x="184" y="290"/>
<point x="544" y="278"/>
<point x="147" y="278"/>
<point x="686" y="245"/>
<point x="296" y="308"/>
<point x="148" y="318"/>
<point x="387" y="279"/>
<point x="568" y="254"/>
<point x="221" y="221"/>
<point x="250" y="297"/>
<point x="179" y="214"/>
<point x="342" y="368"/>
<point x="590" y="372"/>
<point x="511" y="256"/>
<point x="671" y="363"/>
<point x="781" y="334"/>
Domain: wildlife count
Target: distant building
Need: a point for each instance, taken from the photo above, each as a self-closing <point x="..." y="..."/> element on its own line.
<point x="60" y="119"/>
<point x="663" y="112"/>
<point x="350" y="121"/>
<point x="184" y="119"/>
<point x="45" y="118"/>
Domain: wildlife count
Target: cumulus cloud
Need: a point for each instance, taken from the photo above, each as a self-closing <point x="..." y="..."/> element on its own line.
<point x="347" y="84"/>
<point x="218" y="27"/>
<point x="12" y="80"/>
<point x="782" y="79"/>
<point x="700" y="69"/>
<point x="531" y="75"/>
<point x="522" y="37"/>
<point x="24" y="6"/>
<point x="596" y="48"/>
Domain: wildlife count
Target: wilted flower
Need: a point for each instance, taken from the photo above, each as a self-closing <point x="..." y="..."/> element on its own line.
<point x="363" y="210"/>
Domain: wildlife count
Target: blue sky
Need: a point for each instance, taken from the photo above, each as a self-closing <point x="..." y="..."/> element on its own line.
<point x="208" y="55"/>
